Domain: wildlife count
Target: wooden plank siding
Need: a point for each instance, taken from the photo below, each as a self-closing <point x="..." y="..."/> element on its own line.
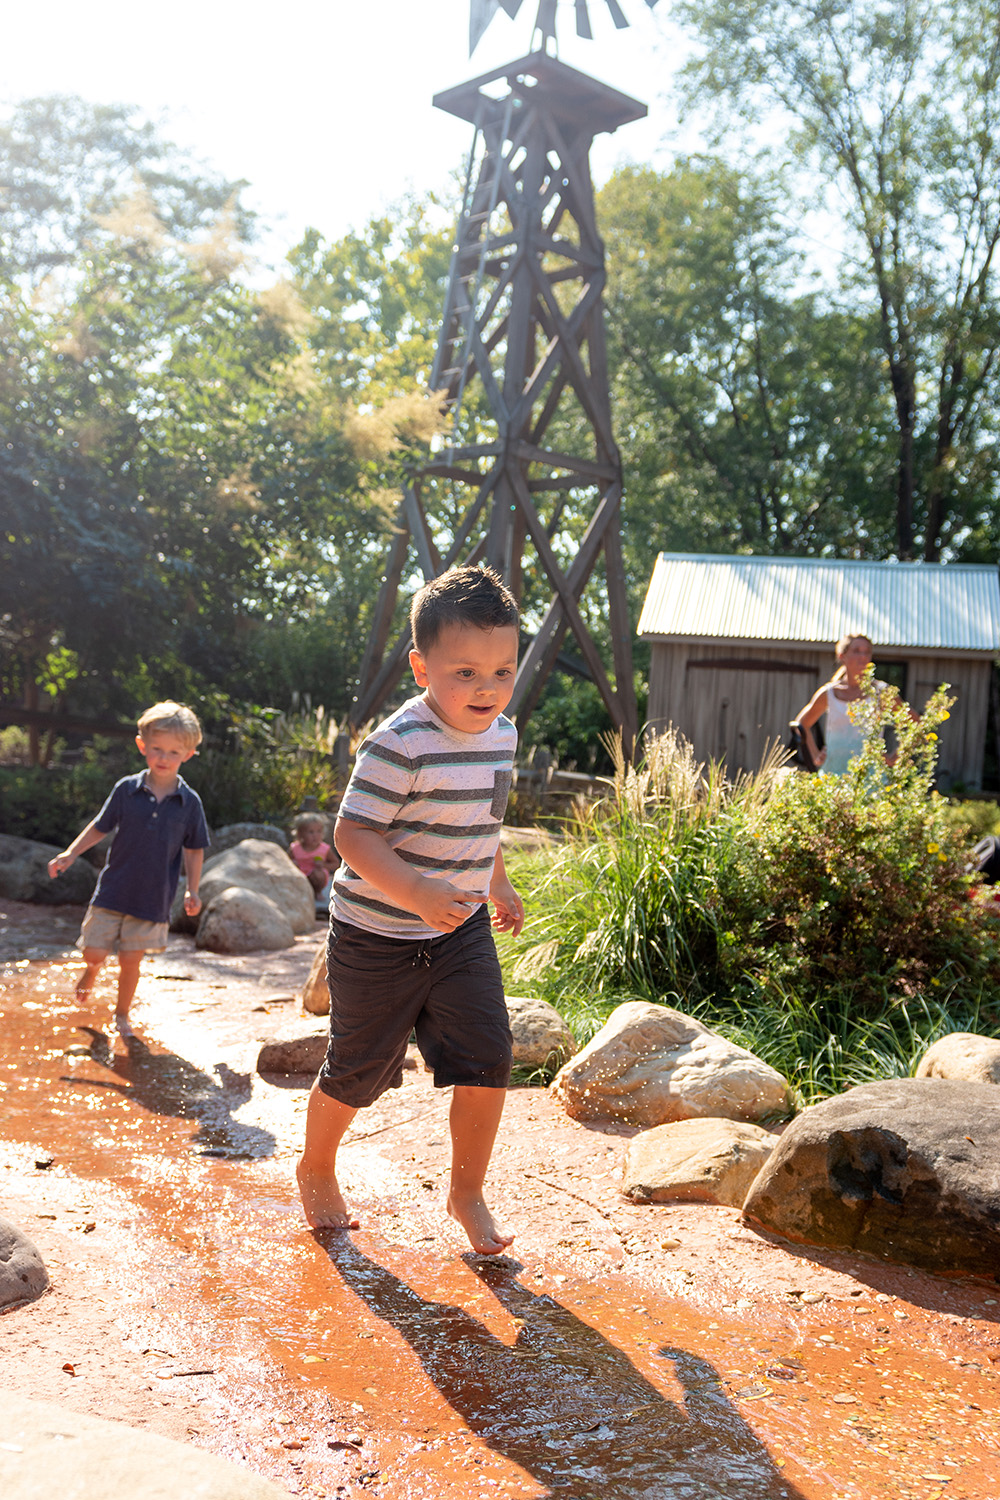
<point x="733" y="700"/>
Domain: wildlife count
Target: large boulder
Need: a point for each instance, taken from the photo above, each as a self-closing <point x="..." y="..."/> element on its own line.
<point x="235" y="833"/>
<point x="905" y="1170"/>
<point x="540" y="1034"/>
<point x="963" y="1054"/>
<point x="24" y="874"/>
<point x="23" y="1276"/>
<point x="241" y="921"/>
<point x="708" y="1161"/>
<point x="649" y="1065"/>
<point x="254" y="865"/>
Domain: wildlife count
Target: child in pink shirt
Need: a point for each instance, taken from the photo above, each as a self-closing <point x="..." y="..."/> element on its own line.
<point x="310" y="851"/>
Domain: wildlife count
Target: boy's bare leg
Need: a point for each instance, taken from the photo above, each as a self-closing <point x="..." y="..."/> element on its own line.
<point x="474" y="1120"/>
<point x="327" y="1122"/>
<point x="128" y="979"/>
<point x="92" y="958"/>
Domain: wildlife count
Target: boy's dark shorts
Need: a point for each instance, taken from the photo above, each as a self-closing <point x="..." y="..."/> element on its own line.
<point x="448" y="989"/>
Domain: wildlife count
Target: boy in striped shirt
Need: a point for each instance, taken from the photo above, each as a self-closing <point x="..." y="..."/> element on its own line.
<point x="410" y="942"/>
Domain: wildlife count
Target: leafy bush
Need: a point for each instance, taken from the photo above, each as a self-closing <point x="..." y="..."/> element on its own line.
<point x="827" y="923"/>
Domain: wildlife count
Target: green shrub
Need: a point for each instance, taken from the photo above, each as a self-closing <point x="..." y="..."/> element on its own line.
<point x="826" y="923"/>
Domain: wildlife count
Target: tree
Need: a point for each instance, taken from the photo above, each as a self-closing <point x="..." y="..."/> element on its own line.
<point x="893" y="109"/>
<point x="65" y="162"/>
<point x="749" y="413"/>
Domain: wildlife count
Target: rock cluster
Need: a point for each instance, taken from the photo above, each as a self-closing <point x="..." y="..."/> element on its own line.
<point x="904" y="1169"/>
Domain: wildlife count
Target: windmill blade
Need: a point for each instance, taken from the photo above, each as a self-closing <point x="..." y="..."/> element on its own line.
<point x="481" y="13"/>
<point x="583" y="20"/>
<point x="546" y="19"/>
<point x="617" y="14"/>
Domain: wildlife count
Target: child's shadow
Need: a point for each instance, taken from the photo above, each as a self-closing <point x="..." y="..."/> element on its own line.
<point x="166" y="1084"/>
<point x="566" y="1404"/>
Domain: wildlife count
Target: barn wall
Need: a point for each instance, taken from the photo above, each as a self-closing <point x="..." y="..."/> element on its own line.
<point x="733" y="701"/>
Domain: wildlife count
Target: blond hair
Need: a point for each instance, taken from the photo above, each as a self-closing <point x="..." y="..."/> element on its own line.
<point x="841" y="647"/>
<point x="308" y="820"/>
<point x="172" y="718"/>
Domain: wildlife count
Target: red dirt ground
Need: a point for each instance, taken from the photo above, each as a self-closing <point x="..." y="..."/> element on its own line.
<point x="660" y="1351"/>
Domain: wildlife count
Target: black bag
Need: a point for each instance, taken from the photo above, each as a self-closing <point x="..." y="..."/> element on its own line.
<point x="798" y="747"/>
<point x="986" y="859"/>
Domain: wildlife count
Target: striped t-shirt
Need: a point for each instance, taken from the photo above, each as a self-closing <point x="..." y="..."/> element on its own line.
<point x="438" y="796"/>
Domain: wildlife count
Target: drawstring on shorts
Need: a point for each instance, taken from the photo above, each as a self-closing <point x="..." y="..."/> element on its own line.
<point x="422" y="955"/>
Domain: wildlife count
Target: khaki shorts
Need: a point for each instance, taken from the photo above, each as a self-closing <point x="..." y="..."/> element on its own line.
<point x="114" y="932"/>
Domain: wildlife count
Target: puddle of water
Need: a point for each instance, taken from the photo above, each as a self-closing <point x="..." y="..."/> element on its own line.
<point x="460" y="1376"/>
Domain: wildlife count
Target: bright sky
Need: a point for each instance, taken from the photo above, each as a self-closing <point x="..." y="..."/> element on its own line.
<point x="324" y="106"/>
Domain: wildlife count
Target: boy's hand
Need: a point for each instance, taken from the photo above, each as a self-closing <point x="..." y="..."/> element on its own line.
<point x="508" y="908"/>
<point x="59" y="864"/>
<point x="192" y="903"/>
<point x="445" y="906"/>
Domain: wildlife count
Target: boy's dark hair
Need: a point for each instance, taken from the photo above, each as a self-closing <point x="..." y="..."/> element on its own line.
<point x="462" y="596"/>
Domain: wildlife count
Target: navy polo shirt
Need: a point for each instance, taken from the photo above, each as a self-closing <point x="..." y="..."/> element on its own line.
<point x="144" y="862"/>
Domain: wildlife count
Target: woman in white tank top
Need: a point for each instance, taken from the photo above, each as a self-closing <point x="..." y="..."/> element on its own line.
<point x="844" y="738"/>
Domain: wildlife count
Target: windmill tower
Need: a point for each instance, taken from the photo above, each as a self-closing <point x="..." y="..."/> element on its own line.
<point x="532" y="472"/>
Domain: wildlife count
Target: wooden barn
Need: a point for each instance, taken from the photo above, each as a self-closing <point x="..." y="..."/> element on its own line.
<point x="740" y="644"/>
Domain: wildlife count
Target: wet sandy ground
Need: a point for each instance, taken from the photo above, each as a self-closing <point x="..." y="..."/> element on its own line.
<point x="624" y="1352"/>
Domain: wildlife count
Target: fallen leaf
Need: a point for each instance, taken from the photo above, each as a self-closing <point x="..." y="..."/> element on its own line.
<point x="70" y="1369"/>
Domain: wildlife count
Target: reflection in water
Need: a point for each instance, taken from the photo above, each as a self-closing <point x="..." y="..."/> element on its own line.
<point x="166" y="1084"/>
<point x="565" y="1403"/>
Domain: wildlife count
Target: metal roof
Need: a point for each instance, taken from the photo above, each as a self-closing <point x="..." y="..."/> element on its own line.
<point x="949" y="606"/>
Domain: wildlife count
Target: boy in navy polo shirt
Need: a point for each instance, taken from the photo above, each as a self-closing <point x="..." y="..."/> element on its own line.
<point x="159" y="821"/>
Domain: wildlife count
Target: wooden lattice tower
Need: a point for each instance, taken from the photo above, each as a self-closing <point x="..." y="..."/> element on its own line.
<point x="522" y="353"/>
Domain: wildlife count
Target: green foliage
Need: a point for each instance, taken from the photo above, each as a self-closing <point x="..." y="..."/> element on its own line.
<point x="750" y="412"/>
<point x="276" y="761"/>
<point x="824" y="922"/>
<point x="890" y="114"/>
<point x="52" y="804"/>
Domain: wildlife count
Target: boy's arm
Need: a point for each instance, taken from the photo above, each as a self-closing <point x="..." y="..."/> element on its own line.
<point x="193" y="861"/>
<point x="85" y="840"/>
<point x="508" y="908"/>
<point x="440" y="904"/>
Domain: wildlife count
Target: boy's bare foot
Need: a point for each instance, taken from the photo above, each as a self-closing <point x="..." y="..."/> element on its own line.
<point x="123" y="1025"/>
<point x="323" y="1201"/>
<point x="485" y="1235"/>
<point x="83" y="990"/>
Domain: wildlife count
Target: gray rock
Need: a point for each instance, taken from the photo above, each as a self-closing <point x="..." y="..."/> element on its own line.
<point x="906" y="1170"/>
<point x="649" y="1065"/>
<point x="49" y="1451"/>
<point x="254" y="865"/>
<point x="297" y="1054"/>
<point x="23" y="1276"/>
<point x="234" y="833"/>
<point x="241" y="921"/>
<point x="540" y="1034"/>
<point x="24" y="874"/>
<point x="316" y="991"/>
<point x="963" y="1054"/>
<point x="709" y="1161"/>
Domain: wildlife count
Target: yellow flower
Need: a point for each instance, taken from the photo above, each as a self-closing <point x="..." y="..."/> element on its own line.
<point x="932" y="736"/>
<point x="936" y="983"/>
<point x="946" y="715"/>
<point x="932" y="848"/>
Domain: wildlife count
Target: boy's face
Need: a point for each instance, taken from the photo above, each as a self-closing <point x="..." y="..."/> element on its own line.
<point x="468" y="674"/>
<point x="164" y="753"/>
